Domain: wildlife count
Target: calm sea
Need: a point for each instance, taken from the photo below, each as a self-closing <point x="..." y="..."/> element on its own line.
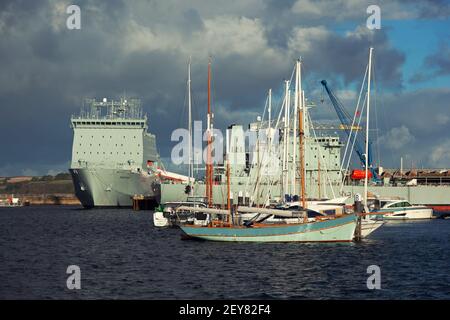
<point x="122" y="256"/>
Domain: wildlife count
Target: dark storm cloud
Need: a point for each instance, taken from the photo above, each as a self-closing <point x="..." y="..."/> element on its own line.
<point x="327" y="53"/>
<point x="141" y="48"/>
<point x="440" y="61"/>
<point x="435" y="65"/>
<point x="433" y="9"/>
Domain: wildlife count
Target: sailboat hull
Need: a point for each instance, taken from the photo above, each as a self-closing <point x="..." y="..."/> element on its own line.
<point x="335" y="230"/>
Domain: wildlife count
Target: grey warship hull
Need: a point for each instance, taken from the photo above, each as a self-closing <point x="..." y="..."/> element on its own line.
<point x="99" y="187"/>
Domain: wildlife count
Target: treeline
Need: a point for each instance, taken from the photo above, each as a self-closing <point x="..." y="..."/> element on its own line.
<point x="59" y="176"/>
<point x="58" y="184"/>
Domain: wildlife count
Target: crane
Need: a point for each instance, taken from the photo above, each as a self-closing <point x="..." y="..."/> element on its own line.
<point x="346" y="121"/>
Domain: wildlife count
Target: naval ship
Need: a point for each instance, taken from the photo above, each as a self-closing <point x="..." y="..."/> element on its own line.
<point x="113" y="156"/>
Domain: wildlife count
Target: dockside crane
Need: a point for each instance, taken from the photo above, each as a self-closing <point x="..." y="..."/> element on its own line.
<point x="346" y="121"/>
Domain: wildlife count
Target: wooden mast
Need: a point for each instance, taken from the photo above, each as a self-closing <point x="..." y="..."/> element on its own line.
<point x="294" y="148"/>
<point x="301" y="129"/>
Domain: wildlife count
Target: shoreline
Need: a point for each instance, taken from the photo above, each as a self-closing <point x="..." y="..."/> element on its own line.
<point x="46" y="199"/>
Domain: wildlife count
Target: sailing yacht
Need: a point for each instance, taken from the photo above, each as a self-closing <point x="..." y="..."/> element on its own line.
<point x="165" y="215"/>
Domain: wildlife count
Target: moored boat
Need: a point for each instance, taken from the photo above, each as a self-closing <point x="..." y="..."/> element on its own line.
<point x="11" y="202"/>
<point x="340" y="229"/>
<point x="402" y="210"/>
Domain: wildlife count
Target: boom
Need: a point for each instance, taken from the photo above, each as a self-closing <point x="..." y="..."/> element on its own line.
<point x="345" y="119"/>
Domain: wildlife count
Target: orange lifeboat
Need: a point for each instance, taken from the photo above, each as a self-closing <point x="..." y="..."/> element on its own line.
<point x="358" y="174"/>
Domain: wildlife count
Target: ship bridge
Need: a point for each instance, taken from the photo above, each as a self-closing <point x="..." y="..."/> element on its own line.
<point x="112" y="134"/>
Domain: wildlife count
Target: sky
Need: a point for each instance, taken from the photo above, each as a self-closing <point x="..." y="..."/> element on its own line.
<point x="141" y="48"/>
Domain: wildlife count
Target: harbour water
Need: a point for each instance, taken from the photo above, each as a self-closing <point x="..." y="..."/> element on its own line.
<point x="122" y="256"/>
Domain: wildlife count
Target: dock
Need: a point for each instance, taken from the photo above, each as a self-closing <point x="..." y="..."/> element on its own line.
<point x="141" y="202"/>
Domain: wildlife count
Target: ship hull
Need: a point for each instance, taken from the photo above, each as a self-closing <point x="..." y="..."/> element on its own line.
<point x="413" y="213"/>
<point x="335" y="230"/>
<point x="101" y="187"/>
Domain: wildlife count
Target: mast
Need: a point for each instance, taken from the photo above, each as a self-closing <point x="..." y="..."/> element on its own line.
<point x="318" y="176"/>
<point x="367" y="130"/>
<point x="258" y="163"/>
<point x="191" y="168"/>
<point x="270" y="108"/>
<point x="209" y="167"/>
<point x="270" y="124"/>
<point x="285" y="133"/>
<point x="294" y="159"/>
<point x="228" y="192"/>
<point x="302" y="150"/>
<point x="288" y="140"/>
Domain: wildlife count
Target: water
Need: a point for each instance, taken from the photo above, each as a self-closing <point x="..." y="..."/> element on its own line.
<point x="122" y="256"/>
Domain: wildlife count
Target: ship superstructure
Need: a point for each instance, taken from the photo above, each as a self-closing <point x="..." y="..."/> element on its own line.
<point x="262" y="160"/>
<point x="113" y="155"/>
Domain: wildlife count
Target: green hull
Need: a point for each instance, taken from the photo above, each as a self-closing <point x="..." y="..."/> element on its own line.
<point x="335" y="230"/>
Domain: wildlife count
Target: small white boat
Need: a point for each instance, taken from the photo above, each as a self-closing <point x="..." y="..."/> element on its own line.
<point x="327" y="206"/>
<point x="402" y="210"/>
<point x="159" y="220"/>
<point x="168" y="214"/>
<point x="11" y="202"/>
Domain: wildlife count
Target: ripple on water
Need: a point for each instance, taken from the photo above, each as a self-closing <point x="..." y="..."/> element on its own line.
<point x="122" y="256"/>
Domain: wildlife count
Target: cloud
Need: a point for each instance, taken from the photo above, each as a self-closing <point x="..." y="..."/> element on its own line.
<point x="21" y="169"/>
<point x="397" y="138"/>
<point x="412" y="123"/>
<point x="440" y="155"/>
<point x="435" y="65"/>
<point x="340" y="10"/>
<point x="440" y="60"/>
<point x="327" y="52"/>
<point x="141" y="48"/>
<point x="403" y="123"/>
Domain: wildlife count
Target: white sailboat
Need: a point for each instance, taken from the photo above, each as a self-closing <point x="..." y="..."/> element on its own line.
<point x="164" y="217"/>
<point x="368" y="225"/>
